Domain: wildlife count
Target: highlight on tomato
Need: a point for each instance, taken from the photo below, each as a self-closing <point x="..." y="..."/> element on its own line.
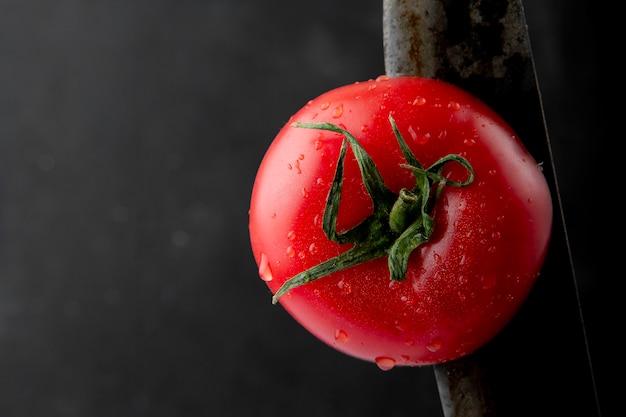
<point x="400" y="220"/>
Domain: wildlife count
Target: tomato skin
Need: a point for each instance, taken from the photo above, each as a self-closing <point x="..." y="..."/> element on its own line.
<point x="465" y="284"/>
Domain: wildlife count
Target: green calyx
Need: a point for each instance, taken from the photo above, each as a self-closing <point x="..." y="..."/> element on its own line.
<point x="400" y="222"/>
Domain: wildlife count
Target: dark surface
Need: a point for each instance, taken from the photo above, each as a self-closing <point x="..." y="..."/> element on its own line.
<point x="130" y="134"/>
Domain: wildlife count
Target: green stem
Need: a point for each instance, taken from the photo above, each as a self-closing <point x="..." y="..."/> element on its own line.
<point x="400" y="222"/>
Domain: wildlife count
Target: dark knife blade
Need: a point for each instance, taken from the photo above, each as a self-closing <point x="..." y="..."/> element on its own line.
<point x="539" y="364"/>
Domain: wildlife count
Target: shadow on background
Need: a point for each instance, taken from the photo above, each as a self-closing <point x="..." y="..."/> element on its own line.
<point x="130" y="134"/>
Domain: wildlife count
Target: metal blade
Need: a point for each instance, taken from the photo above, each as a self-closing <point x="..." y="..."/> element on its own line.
<point x="539" y="364"/>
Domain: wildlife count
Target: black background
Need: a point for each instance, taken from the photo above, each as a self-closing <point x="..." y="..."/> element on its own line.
<point x="130" y="134"/>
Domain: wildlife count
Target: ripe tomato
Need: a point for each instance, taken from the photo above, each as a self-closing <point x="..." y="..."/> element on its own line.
<point x="481" y="241"/>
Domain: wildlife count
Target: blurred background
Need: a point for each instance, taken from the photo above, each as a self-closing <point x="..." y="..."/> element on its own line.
<point x="130" y="134"/>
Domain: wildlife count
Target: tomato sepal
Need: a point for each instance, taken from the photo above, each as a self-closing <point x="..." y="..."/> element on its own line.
<point x="399" y="224"/>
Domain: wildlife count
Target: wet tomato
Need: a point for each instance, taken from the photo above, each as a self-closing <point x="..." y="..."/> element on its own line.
<point x="400" y="220"/>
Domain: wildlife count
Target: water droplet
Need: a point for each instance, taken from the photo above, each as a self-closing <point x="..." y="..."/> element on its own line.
<point x="364" y="128"/>
<point x="419" y="101"/>
<point x="382" y="78"/>
<point x="496" y="235"/>
<point x="264" y="269"/>
<point x="400" y="325"/>
<point x="297" y="165"/>
<point x="291" y="235"/>
<point x="453" y="105"/>
<point x="435" y="344"/>
<point x="337" y="111"/>
<point x="345" y="287"/>
<point x="325" y="105"/>
<point x="289" y="167"/>
<point x="488" y="281"/>
<point x="313" y="249"/>
<point x="319" y="181"/>
<point x="443" y="134"/>
<point x="318" y="145"/>
<point x="301" y="255"/>
<point x="291" y="252"/>
<point x="385" y="363"/>
<point x="530" y="200"/>
<point x="341" y="336"/>
<point x="491" y="249"/>
<point x="371" y="87"/>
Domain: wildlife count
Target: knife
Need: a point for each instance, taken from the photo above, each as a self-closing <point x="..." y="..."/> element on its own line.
<point x="539" y="364"/>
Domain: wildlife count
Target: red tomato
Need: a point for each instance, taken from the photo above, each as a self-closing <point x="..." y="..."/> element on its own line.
<point x="463" y="283"/>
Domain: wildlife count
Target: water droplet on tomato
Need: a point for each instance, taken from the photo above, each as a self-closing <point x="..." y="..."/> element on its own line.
<point x="364" y="128"/>
<point x="453" y="105"/>
<point x="325" y="105"/>
<point x="401" y="325"/>
<point x="419" y="101"/>
<point x="435" y="344"/>
<point x="264" y="269"/>
<point x="291" y="235"/>
<point x="291" y="252"/>
<point x="492" y="172"/>
<point x="385" y="363"/>
<point x="488" y="281"/>
<point x="345" y="287"/>
<point x="382" y="78"/>
<point x="341" y="336"/>
<point x="313" y="249"/>
<point x="301" y="255"/>
<point x="318" y="145"/>
<point x="337" y="111"/>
